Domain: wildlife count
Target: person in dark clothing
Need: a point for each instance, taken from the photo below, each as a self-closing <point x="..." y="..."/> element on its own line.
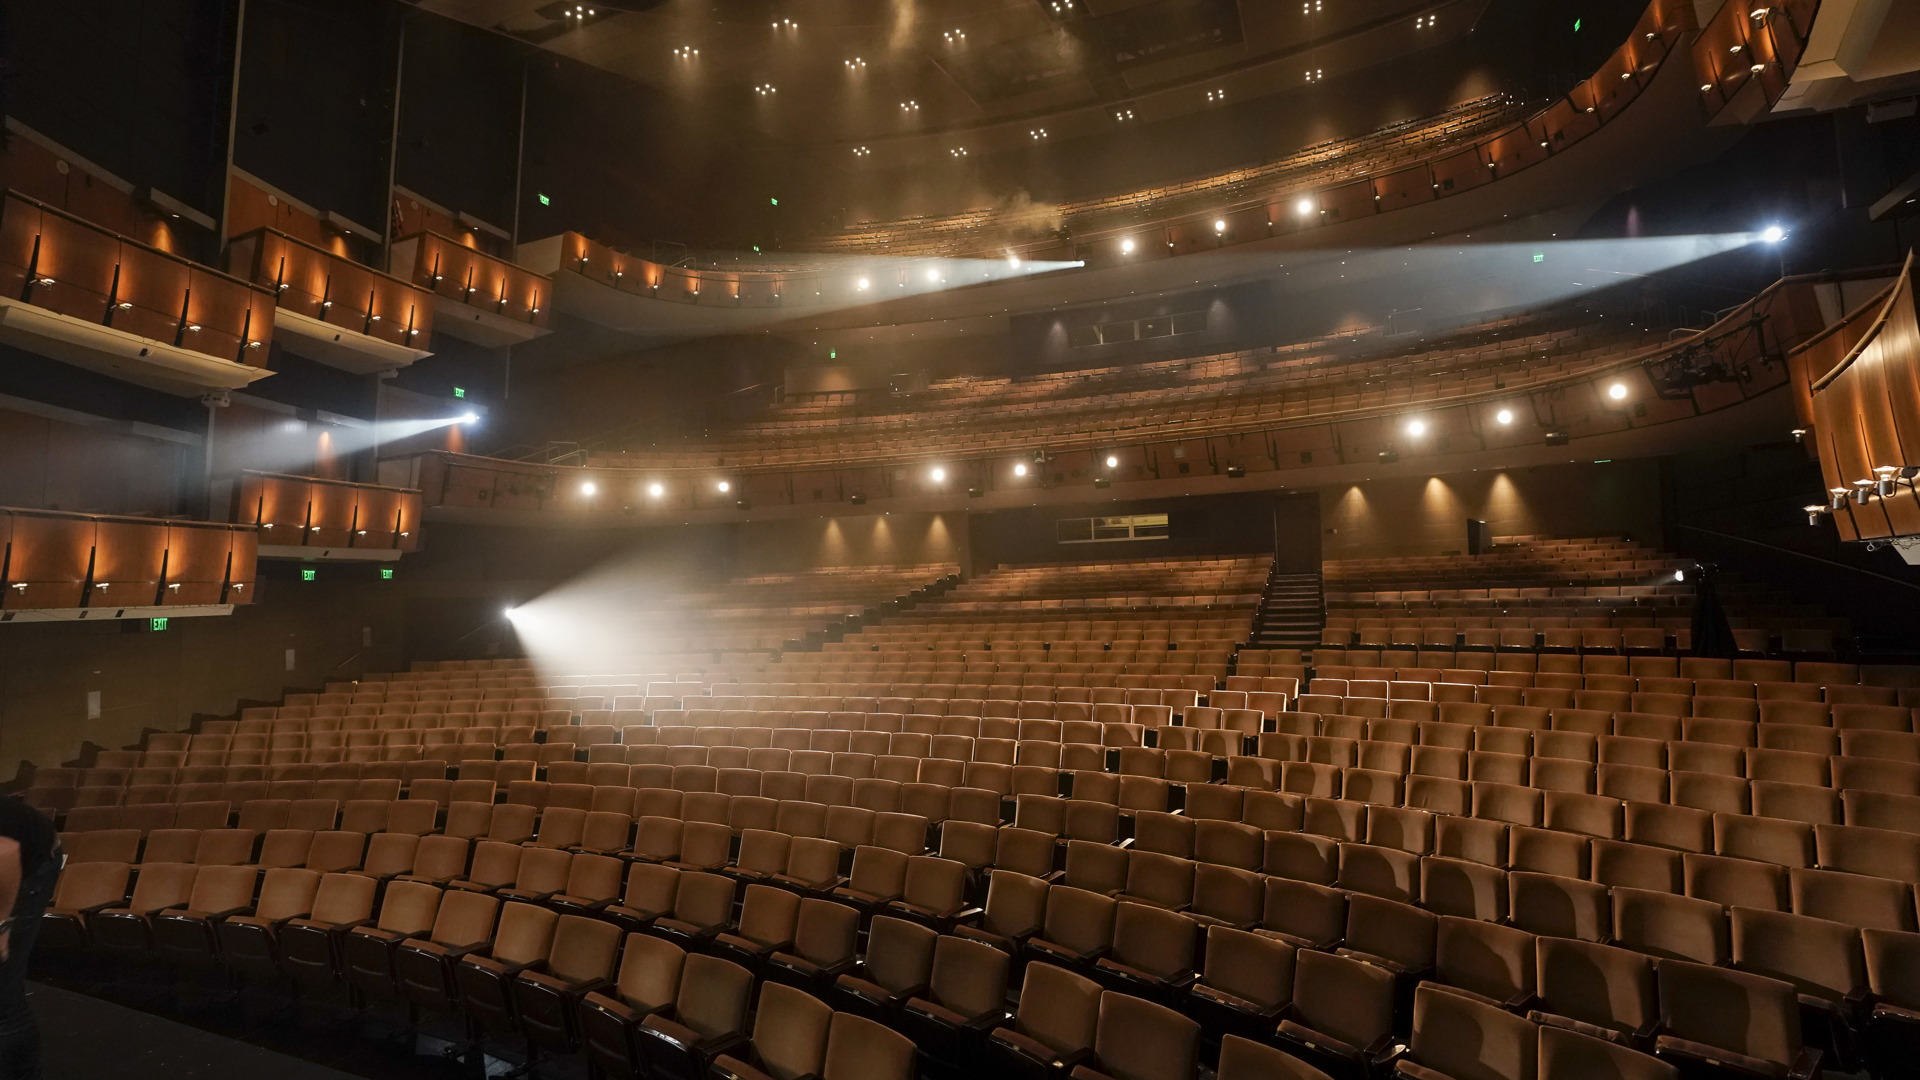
<point x="30" y="863"/>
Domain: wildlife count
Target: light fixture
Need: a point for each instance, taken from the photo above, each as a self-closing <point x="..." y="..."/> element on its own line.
<point x="1679" y="575"/>
<point x="1836" y="498"/>
<point x="470" y="418"/>
<point x="1013" y="261"/>
<point x="861" y="151"/>
<point x="933" y="274"/>
<point x="723" y="487"/>
<point x="1504" y="416"/>
<point x="1814" y="512"/>
<point x="1884" y="484"/>
<point x="588" y="487"/>
<point x="1121" y="116"/>
<point x="1618" y="391"/>
<point x="510" y="613"/>
<point x="1416" y="428"/>
<point x="1038" y="134"/>
<point x="1772" y="234"/>
<point x="937" y="474"/>
<point x="1303" y="207"/>
<point x="1219" y="225"/>
<point x="1113" y="462"/>
<point x="1862" y="492"/>
<point x="861" y="284"/>
<point x="656" y="490"/>
<point x="1020" y="468"/>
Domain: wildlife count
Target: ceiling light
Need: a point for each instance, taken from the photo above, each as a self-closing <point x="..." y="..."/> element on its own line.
<point x="1618" y="391"/>
<point x="1504" y="416"/>
<point x="1123" y="115"/>
<point x="861" y="151"/>
<point x="587" y="487"/>
<point x="656" y="490"/>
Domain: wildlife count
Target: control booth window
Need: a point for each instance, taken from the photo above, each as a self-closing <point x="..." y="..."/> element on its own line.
<point x="1101" y="530"/>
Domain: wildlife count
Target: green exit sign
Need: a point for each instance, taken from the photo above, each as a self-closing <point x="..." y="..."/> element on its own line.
<point x="544" y="201"/>
<point x="386" y="573"/>
<point x="308" y="573"/>
<point x="1539" y="256"/>
<point x="156" y="625"/>
<point x="459" y="391"/>
<point x="775" y="202"/>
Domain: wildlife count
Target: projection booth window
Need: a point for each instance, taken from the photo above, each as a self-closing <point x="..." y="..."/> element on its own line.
<point x="1100" y="530"/>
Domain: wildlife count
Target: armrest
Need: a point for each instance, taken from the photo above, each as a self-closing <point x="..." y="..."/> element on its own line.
<point x="1030" y="1050"/>
<point x="560" y="987"/>
<point x="972" y="933"/>
<point x="503" y="970"/>
<point x="828" y="885"/>
<point x="580" y="902"/>
<point x="1415" y="1071"/>
<point x="1703" y="1052"/>
<point x="877" y="993"/>
<point x="1806" y="1066"/>
<point x="671" y="1031"/>
<point x="205" y="916"/>
<point x="1143" y="979"/>
<point x="728" y="1067"/>
<point x="1314" y="1040"/>
<point x="1237" y="1004"/>
<point x="631" y="913"/>
<point x="1063" y="954"/>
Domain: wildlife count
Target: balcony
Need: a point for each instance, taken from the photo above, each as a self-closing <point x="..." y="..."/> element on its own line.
<point x="60" y="567"/>
<point x="77" y="293"/>
<point x="301" y="517"/>
<point x="332" y="309"/>
<point x="477" y="297"/>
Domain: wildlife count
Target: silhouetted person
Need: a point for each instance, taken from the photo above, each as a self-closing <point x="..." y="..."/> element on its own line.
<point x="30" y="862"/>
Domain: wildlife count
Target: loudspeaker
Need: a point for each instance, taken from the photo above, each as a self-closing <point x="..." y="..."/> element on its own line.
<point x="1479" y="537"/>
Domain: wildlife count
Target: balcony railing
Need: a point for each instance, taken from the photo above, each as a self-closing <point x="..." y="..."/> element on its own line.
<point x="302" y="511"/>
<point x="51" y="560"/>
<point x="321" y="285"/>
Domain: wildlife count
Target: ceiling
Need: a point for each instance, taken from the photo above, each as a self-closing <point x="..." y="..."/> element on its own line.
<point x="852" y="72"/>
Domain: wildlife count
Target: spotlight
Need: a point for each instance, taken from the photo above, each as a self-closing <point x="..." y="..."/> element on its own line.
<point x="1799" y="434"/>
<point x="1126" y="246"/>
<point x="510" y="614"/>
<point x="938" y="475"/>
<point x="1020" y="468"/>
<point x="1013" y="261"/>
<point x="933" y="275"/>
<point x="861" y="284"/>
<point x="1303" y="207"/>
<point x="1679" y="575"/>
<point x="723" y="487"/>
<point x="1504" y="416"/>
<point x="1862" y="492"/>
<point x="470" y="418"/>
<point x="1113" y="462"/>
<point x="1772" y="234"/>
<point x="1836" y="498"/>
<point x="1884" y="484"/>
<point x="656" y="490"/>
<point x="1416" y="428"/>
<point x="1219" y="225"/>
<point x="588" y="488"/>
<point x="1813" y="513"/>
<point x="1618" y="391"/>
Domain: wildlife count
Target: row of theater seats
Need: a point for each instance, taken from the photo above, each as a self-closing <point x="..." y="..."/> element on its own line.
<point x="1359" y="954"/>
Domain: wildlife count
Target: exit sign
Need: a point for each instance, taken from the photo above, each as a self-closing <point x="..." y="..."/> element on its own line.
<point x="459" y="391"/>
<point x="386" y="573"/>
<point x="308" y="573"/>
<point x="157" y="625"/>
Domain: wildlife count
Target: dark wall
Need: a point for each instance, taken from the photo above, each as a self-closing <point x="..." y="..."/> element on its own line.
<point x="345" y="622"/>
<point x="316" y="101"/>
<point x="139" y="87"/>
<point x="1742" y="509"/>
<point x="460" y="117"/>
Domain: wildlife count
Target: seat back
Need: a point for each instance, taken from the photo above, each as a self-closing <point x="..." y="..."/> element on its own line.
<point x="1138" y="1040"/>
<point x="899" y="953"/>
<point x="583" y="949"/>
<point x="1058" y="1009"/>
<point x="649" y="977"/>
<point x="859" y="1049"/>
<point x="713" y="996"/>
<point x="790" y="1032"/>
<point x="1469" y="1040"/>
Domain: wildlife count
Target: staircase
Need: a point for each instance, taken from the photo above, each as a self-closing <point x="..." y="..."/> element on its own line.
<point x="1291" y="613"/>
